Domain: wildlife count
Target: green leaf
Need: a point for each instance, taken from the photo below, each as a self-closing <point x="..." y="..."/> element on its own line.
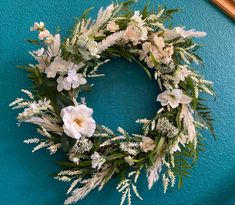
<point x="35" y="42"/>
<point x="86" y="87"/>
<point x="67" y="143"/>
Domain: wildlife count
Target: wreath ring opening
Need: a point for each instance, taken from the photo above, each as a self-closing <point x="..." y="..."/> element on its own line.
<point x="171" y="140"/>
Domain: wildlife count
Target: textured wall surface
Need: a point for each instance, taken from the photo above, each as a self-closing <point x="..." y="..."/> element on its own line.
<point x="122" y="96"/>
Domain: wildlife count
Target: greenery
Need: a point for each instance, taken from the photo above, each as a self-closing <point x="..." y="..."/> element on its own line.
<point x="171" y="140"/>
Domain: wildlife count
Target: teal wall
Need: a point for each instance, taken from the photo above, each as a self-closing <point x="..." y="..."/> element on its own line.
<point x="124" y="95"/>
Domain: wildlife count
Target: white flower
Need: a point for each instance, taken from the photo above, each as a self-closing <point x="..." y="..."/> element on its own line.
<point x="74" y="157"/>
<point x="147" y="144"/>
<point x="87" y="46"/>
<point x="54" y="48"/>
<point x="112" y="27"/>
<point x="43" y="34"/>
<point x="63" y="84"/>
<point x="39" y="52"/>
<point x="160" y="51"/>
<point x="132" y="33"/>
<point x="173" y="98"/>
<point x="159" y="42"/>
<point x="58" y="66"/>
<point x="137" y="18"/>
<point x="129" y="160"/>
<point x="156" y="49"/>
<point x="135" y="30"/>
<point x="73" y="80"/>
<point x="97" y="160"/>
<point x="37" y="26"/>
<point x="49" y="40"/>
<point x="181" y="73"/>
<point x="78" y="121"/>
<point x="76" y="79"/>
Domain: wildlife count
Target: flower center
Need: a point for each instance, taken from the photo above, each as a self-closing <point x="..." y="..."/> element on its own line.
<point x="78" y="122"/>
<point x="173" y="97"/>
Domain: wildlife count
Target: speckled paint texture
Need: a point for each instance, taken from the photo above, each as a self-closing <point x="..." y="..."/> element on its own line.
<point x="123" y="95"/>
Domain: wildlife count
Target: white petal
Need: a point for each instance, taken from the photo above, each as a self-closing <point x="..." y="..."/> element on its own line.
<point x="185" y="99"/>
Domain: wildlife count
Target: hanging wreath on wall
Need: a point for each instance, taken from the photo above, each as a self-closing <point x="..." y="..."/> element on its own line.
<point x="170" y="141"/>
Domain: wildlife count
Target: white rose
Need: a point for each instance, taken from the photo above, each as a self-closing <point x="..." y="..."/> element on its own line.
<point x="78" y="121"/>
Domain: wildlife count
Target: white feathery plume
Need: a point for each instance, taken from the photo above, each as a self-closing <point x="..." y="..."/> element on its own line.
<point x="153" y="172"/>
<point x="109" y="41"/>
<point x="187" y="118"/>
<point x="44" y="122"/>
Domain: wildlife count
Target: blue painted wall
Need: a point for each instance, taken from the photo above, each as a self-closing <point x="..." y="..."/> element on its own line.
<point x="122" y="96"/>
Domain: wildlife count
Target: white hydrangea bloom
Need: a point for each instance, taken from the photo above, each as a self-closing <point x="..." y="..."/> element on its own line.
<point x="78" y="121"/>
<point x="173" y="98"/>
<point x="63" y="84"/>
<point x="73" y="80"/>
<point x="76" y="79"/>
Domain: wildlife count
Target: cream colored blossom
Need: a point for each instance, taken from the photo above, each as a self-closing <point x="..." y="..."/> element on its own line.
<point x="112" y="26"/>
<point x="54" y="47"/>
<point x="147" y="144"/>
<point x="136" y="31"/>
<point x="181" y="73"/>
<point x="49" y="40"/>
<point x="78" y="121"/>
<point x="159" y="42"/>
<point x="173" y="98"/>
<point x="129" y="160"/>
<point x="58" y="66"/>
<point x="132" y="33"/>
<point x="97" y="160"/>
<point x="43" y="34"/>
<point x="37" y="26"/>
<point x="157" y="49"/>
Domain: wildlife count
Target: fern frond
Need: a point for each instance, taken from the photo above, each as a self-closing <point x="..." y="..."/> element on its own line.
<point x="203" y="113"/>
<point x="185" y="160"/>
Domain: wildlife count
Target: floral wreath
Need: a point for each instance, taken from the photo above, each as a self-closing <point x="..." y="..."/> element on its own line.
<point x="170" y="142"/>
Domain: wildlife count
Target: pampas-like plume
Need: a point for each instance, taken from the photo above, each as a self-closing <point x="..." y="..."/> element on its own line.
<point x="153" y="172"/>
<point x="109" y="41"/>
<point x="186" y="116"/>
<point x="90" y="184"/>
<point x="47" y="124"/>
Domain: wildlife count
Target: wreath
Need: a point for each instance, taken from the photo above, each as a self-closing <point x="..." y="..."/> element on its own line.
<point x="170" y="142"/>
